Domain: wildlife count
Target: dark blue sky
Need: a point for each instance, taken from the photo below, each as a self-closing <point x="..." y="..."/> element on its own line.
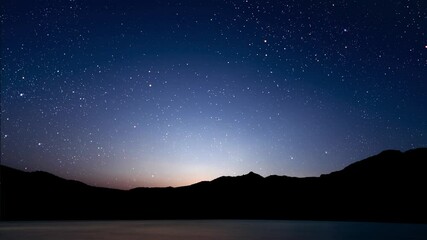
<point x="157" y="93"/>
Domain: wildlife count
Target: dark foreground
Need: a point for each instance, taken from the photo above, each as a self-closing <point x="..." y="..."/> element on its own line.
<point x="389" y="187"/>
<point x="211" y="229"/>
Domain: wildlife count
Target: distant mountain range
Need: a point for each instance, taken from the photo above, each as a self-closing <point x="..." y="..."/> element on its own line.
<point x="391" y="186"/>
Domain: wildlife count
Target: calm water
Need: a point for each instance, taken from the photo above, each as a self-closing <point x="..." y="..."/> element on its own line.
<point x="210" y="229"/>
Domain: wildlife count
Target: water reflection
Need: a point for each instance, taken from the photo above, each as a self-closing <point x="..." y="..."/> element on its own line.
<point x="209" y="229"/>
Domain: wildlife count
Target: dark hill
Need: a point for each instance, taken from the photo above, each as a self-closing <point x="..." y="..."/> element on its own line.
<point x="387" y="187"/>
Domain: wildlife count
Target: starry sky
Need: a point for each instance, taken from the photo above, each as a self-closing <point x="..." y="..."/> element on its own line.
<point x="125" y="94"/>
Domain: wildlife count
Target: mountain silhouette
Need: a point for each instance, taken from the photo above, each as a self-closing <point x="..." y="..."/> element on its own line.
<point x="387" y="187"/>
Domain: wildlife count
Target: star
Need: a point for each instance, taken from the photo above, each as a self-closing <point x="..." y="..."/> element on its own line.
<point x="208" y="91"/>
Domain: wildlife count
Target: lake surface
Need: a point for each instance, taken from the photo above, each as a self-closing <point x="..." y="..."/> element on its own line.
<point x="210" y="229"/>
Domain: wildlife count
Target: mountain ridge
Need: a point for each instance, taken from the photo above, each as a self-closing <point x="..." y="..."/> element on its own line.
<point x="384" y="187"/>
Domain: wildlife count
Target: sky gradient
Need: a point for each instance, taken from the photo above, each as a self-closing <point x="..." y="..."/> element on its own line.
<point x="126" y="94"/>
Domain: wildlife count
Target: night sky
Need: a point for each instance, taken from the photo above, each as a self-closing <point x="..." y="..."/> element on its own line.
<point x="125" y="93"/>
